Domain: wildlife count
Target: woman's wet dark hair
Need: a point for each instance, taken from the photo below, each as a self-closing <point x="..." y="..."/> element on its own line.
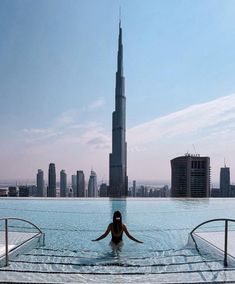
<point x="117" y="221"/>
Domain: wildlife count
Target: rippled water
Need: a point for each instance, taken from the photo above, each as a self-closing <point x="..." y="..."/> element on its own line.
<point x="71" y="224"/>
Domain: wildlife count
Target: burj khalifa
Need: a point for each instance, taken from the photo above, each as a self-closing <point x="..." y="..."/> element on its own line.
<point x="118" y="180"/>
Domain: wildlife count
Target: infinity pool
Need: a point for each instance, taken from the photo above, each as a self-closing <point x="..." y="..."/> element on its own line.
<point x="162" y="224"/>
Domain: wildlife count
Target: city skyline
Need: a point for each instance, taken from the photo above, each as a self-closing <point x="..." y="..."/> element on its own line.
<point x="179" y="86"/>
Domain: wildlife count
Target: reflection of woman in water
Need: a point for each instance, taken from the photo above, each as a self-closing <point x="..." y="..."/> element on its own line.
<point x="117" y="228"/>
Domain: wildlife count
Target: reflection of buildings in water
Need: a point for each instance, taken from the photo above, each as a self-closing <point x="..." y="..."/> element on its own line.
<point x="189" y="203"/>
<point x="118" y="205"/>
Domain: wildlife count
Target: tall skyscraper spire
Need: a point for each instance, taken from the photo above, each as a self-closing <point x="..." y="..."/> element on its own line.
<point x="118" y="180"/>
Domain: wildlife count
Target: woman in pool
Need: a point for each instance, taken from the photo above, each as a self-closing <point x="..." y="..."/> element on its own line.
<point x="117" y="228"/>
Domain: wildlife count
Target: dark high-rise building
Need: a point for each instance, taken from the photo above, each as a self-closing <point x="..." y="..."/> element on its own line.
<point x="40" y="183"/>
<point x="12" y="191"/>
<point x="225" y="182"/>
<point x="33" y="190"/>
<point x="3" y="192"/>
<point x="190" y="176"/>
<point x="80" y="184"/>
<point x="103" y="190"/>
<point x="118" y="180"/>
<point x="134" y="188"/>
<point x="215" y="192"/>
<point x="74" y="185"/>
<point x="23" y="191"/>
<point x="232" y="190"/>
<point x="51" y="190"/>
<point x="63" y="183"/>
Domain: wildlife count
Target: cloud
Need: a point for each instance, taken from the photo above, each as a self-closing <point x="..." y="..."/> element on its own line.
<point x="137" y="149"/>
<point x="99" y="142"/>
<point x="197" y="120"/>
<point x="37" y="135"/>
<point x="64" y="122"/>
<point x="36" y="130"/>
<point x="66" y="118"/>
<point x="89" y="124"/>
<point x="96" y="138"/>
<point x="95" y="105"/>
<point x="65" y="131"/>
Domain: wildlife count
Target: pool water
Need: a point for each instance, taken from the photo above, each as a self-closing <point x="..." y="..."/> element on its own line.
<point x="162" y="224"/>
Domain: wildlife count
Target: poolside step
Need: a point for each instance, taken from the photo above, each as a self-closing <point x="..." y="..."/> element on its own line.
<point x="84" y="260"/>
<point x="181" y="266"/>
<point x="48" y="261"/>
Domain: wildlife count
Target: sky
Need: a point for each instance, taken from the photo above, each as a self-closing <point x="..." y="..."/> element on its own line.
<point x="57" y="80"/>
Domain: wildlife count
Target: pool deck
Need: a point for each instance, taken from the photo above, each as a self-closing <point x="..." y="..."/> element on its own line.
<point x="14" y="240"/>
<point x="216" y="240"/>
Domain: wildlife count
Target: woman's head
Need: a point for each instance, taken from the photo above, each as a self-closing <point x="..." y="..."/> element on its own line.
<point x="117" y="216"/>
<point x="117" y="221"/>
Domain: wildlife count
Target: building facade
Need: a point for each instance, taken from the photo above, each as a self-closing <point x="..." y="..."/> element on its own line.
<point x="225" y="182"/>
<point x="23" y="191"/>
<point x="51" y="190"/>
<point x="63" y="183"/>
<point x="134" y="188"/>
<point x="118" y="180"/>
<point x="40" y="183"/>
<point x="74" y="185"/>
<point x="80" y="184"/>
<point x="103" y="190"/>
<point x="92" y="185"/>
<point x="3" y="192"/>
<point x="190" y="176"/>
<point x="12" y="191"/>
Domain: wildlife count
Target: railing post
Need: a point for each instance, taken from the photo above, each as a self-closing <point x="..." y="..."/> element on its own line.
<point x="225" y="243"/>
<point x="6" y="240"/>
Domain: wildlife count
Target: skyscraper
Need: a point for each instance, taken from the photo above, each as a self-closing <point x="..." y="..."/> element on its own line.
<point x="23" y="191"/>
<point x="63" y="183"/>
<point x="134" y="188"/>
<point x="12" y="191"/>
<point x="118" y="180"/>
<point x="103" y="190"/>
<point x="51" y="191"/>
<point x="225" y="182"/>
<point x="190" y="176"/>
<point x="40" y="183"/>
<point x="80" y="184"/>
<point x="92" y="185"/>
<point x="74" y="185"/>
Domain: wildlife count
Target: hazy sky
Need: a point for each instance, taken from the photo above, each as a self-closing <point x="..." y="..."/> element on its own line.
<point x="57" y="80"/>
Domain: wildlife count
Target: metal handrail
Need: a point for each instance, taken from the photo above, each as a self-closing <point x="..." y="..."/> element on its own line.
<point x="6" y="219"/>
<point x="226" y="220"/>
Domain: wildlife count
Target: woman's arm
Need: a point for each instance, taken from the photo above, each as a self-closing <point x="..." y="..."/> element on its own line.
<point x="104" y="234"/>
<point x="129" y="235"/>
